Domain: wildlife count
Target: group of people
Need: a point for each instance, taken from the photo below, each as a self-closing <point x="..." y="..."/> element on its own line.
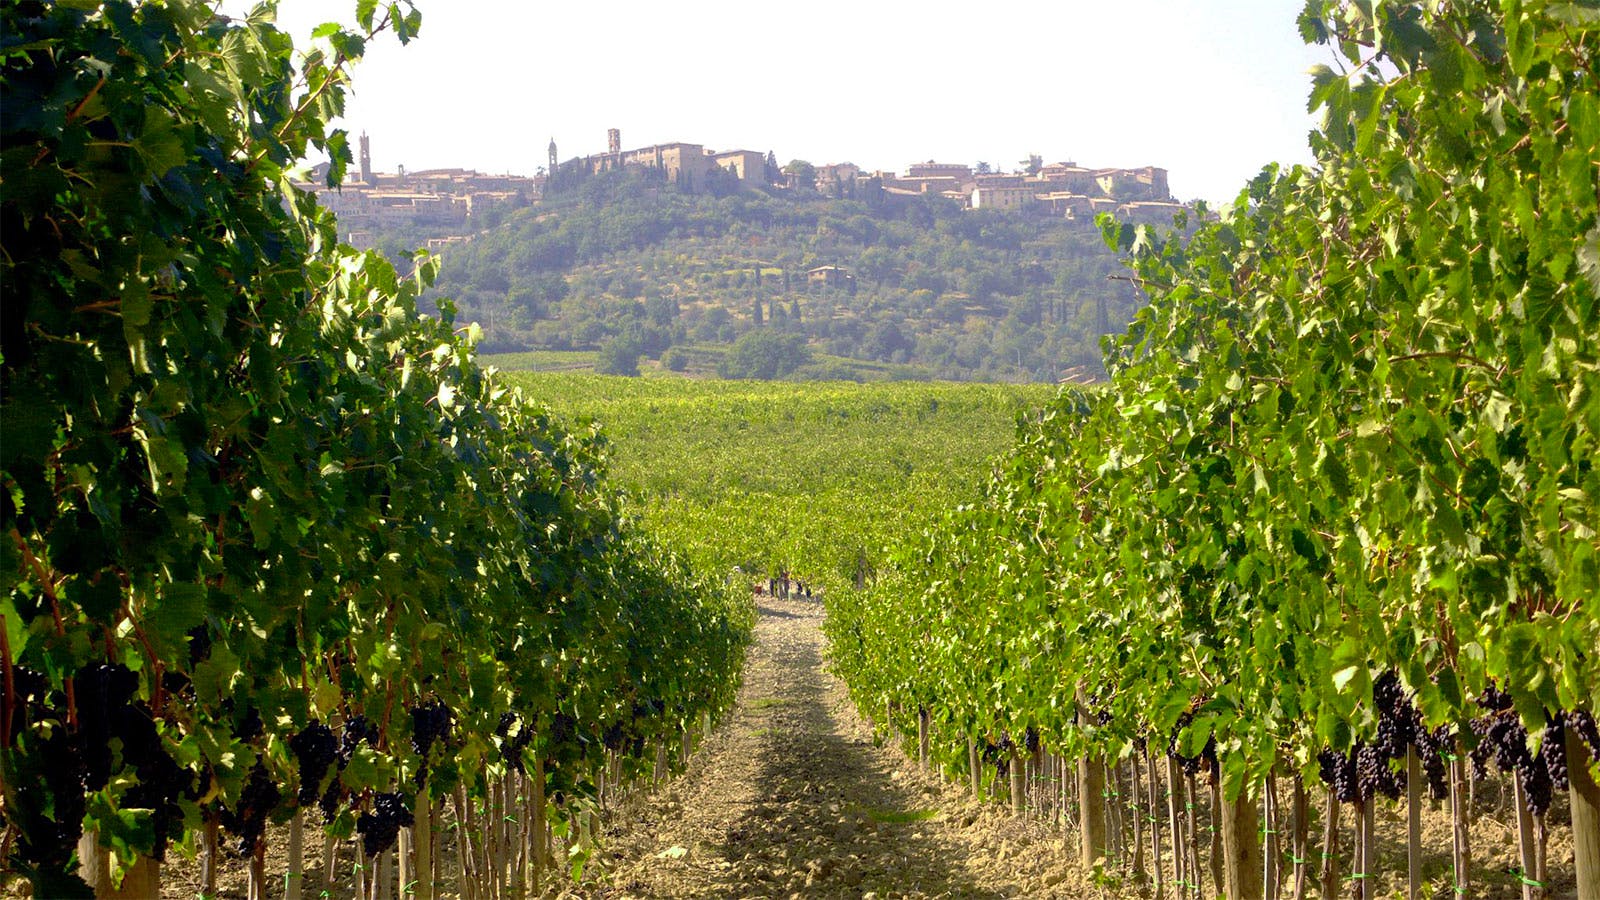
<point x="784" y="587"/>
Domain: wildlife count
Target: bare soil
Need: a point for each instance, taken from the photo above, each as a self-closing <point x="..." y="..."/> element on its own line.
<point x="793" y="797"/>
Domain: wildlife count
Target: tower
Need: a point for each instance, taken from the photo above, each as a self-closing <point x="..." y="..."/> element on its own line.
<point x="366" y="159"/>
<point x="614" y="141"/>
<point x="552" y="169"/>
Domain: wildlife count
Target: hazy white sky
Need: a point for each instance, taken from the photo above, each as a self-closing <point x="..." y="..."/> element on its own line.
<point x="1211" y="90"/>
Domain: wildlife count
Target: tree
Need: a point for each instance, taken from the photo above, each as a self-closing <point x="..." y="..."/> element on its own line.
<point x="983" y="168"/>
<point x="1032" y="164"/>
<point x="620" y="355"/>
<point x="801" y="173"/>
<point x="765" y="354"/>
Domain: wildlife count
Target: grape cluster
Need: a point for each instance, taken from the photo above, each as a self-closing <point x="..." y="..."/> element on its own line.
<point x="248" y="818"/>
<point x="1583" y="725"/>
<point x="430" y="724"/>
<point x="1374" y="774"/>
<point x="515" y="735"/>
<point x="1502" y="737"/>
<point x="379" y="828"/>
<point x="107" y="711"/>
<point x="356" y="729"/>
<point x="1030" y="739"/>
<point x="1191" y="764"/>
<point x="315" y="750"/>
<point x="1493" y="699"/>
<point x="1338" y="772"/>
<point x="53" y="782"/>
<point x="1434" y="746"/>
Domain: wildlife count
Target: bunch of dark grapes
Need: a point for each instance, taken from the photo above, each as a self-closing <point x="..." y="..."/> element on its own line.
<point x="162" y="783"/>
<point x="1338" y="771"/>
<point x="563" y="728"/>
<point x="356" y="729"/>
<point x="1398" y="718"/>
<point x="107" y="711"/>
<point x="1030" y="740"/>
<point x="1502" y="738"/>
<point x="103" y="692"/>
<point x="315" y="749"/>
<point x="199" y="645"/>
<point x="379" y="828"/>
<point x="515" y="735"/>
<point x="430" y="723"/>
<point x="1553" y="752"/>
<point x="1191" y="764"/>
<point x="1493" y="699"/>
<point x="1583" y="725"/>
<point x="1374" y="775"/>
<point x="55" y="783"/>
<point x="248" y="819"/>
<point x="1433" y="747"/>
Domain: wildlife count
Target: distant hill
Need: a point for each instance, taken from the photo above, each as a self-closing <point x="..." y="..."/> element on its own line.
<point x="769" y="283"/>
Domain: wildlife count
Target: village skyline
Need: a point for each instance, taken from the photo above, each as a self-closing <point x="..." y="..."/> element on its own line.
<point x="1210" y="91"/>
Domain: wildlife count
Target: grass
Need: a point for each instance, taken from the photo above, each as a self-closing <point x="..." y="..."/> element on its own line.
<point x="900" y="816"/>
<point x="542" y="361"/>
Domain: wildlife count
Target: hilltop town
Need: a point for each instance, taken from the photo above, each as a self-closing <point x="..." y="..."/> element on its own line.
<point x="448" y="203"/>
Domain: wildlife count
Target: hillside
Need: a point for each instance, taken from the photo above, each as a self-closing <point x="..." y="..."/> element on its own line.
<point x="623" y="264"/>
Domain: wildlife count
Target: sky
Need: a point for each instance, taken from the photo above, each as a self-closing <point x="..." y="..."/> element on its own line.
<point x="1210" y="90"/>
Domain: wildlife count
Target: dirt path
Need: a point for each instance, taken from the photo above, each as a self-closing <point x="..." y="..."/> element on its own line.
<point x="791" y="797"/>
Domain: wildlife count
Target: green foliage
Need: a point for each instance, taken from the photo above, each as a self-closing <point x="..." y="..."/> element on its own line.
<point x="765" y="354"/>
<point x="246" y="482"/>
<point x="1355" y="431"/>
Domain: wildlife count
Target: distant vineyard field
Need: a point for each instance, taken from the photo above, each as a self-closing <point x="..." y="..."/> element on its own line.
<point x="813" y="476"/>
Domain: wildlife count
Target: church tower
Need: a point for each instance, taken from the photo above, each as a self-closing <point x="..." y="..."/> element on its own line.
<point x="366" y="159"/>
<point x="552" y="169"/>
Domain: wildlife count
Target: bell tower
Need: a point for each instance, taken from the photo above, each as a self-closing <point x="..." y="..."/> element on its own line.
<point x="552" y="169"/>
<point x="366" y="159"/>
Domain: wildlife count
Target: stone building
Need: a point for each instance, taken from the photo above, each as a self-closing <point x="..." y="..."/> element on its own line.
<point x="748" y="165"/>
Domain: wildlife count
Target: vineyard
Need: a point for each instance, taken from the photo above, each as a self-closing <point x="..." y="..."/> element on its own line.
<point x="815" y="478"/>
<point x="1327" y="539"/>
<point x="1278" y="611"/>
<point x="277" y="551"/>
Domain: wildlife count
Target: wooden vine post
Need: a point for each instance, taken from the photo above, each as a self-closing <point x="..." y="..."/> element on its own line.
<point x="1218" y="864"/>
<point x="1330" y="846"/>
<point x="1585" y="796"/>
<point x="422" y="845"/>
<point x="1019" y="782"/>
<point x="297" y="870"/>
<point x="1461" y="856"/>
<point x="1241" y="846"/>
<point x="1092" y="810"/>
<point x="1525" y="841"/>
<point x="1154" y="816"/>
<point x="922" y="737"/>
<point x="1413" y="825"/>
<point x="974" y="769"/>
<point x="1302" y="837"/>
